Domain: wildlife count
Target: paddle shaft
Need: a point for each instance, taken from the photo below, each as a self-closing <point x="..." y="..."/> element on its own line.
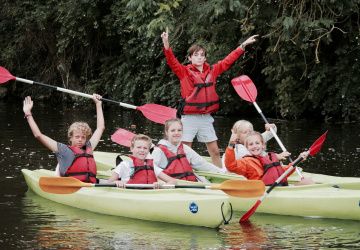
<point x="252" y="210"/>
<point x="286" y="173"/>
<point x="150" y="186"/>
<point x="275" y="135"/>
<point x="69" y="91"/>
<point x="185" y="186"/>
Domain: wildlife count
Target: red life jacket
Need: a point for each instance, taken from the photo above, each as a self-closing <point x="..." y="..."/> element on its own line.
<point x="203" y="99"/>
<point x="83" y="166"/>
<point x="143" y="171"/>
<point x="178" y="165"/>
<point x="272" y="169"/>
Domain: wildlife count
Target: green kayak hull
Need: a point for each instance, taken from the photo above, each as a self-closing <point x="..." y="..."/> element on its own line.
<point x="329" y="197"/>
<point x="196" y="207"/>
<point x="308" y="201"/>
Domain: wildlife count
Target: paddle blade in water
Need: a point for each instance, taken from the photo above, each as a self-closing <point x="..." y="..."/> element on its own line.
<point x="157" y="113"/>
<point x="316" y="146"/>
<point x="5" y="75"/>
<point x="248" y="214"/>
<point x="122" y="137"/>
<point x="245" y="88"/>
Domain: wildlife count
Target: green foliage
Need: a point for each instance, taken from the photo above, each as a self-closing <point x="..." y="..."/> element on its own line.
<point x="306" y="63"/>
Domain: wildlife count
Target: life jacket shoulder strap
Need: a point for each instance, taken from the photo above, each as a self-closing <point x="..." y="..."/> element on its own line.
<point x="170" y="156"/>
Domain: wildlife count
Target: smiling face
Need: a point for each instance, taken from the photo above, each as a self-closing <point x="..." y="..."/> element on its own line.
<point x="140" y="149"/>
<point x="174" y="132"/>
<point x="255" y="144"/>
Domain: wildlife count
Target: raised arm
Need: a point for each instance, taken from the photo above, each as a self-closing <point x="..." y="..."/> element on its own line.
<point x="165" y="39"/>
<point x="248" y="41"/>
<point x="100" y="123"/>
<point x="45" y="140"/>
<point x="174" y="64"/>
<point x="229" y="60"/>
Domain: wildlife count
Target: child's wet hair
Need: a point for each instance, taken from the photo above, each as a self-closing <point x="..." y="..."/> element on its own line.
<point x="141" y="137"/>
<point x="241" y="125"/>
<point x="195" y="48"/>
<point x="83" y="127"/>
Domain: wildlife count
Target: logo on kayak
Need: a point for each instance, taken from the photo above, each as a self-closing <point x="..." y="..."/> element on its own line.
<point x="193" y="207"/>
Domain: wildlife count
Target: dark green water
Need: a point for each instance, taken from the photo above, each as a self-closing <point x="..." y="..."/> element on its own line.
<point x="30" y="222"/>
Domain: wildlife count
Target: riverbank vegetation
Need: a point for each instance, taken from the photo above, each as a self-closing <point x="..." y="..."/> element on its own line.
<point x="306" y="63"/>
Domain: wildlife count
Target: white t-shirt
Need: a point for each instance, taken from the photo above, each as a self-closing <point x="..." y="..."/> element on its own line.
<point x="196" y="161"/>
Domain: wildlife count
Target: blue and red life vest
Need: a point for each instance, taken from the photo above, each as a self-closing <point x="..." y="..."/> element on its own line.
<point x="143" y="171"/>
<point x="203" y="99"/>
<point x="178" y="165"/>
<point x="83" y="166"/>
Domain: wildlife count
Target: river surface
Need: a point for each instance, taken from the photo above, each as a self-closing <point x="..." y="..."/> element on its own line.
<point x="31" y="222"/>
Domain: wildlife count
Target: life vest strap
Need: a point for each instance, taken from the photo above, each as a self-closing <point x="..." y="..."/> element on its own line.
<point x="138" y="169"/>
<point x="203" y="85"/>
<point x="182" y="175"/>
<point x="80" y="173"/>
<point x="273" y="164"/>
<point x="173" y="158"/>
<point x="83" y="155"/>
<point x="201" y="105"/>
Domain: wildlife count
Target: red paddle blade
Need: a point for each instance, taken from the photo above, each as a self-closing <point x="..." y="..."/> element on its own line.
<point x="5" y="75"/>
<point x="157" y="113"/>
<point x="316" y="146"/>
<point x="245" y="88"/>
<point x="122" y="137"/>
<point x="248" y="214"/>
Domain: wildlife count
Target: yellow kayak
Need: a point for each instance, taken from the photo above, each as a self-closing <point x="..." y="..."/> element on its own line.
<point x="195" y="207"/>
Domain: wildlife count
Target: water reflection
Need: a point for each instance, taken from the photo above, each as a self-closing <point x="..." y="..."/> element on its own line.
<point x="246" y="235"/>
<point x="287" y="232"/>
<point x="50" y="225"/>
<point x="57" y="226"/>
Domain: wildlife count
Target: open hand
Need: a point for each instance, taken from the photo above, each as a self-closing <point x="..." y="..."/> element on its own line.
<point x="28" y="105"/>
